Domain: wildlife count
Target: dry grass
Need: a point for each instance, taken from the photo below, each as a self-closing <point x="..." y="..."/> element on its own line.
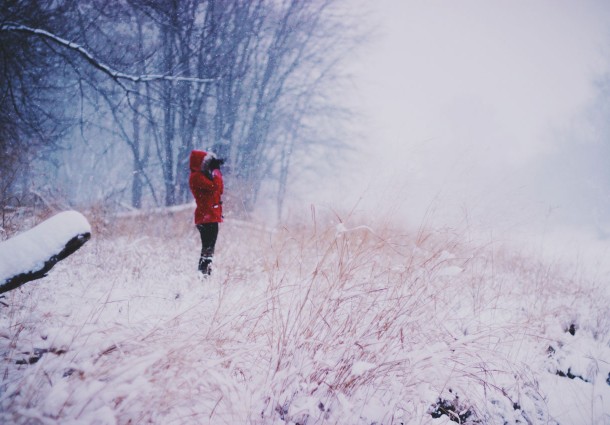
<point x="333" y="320"/>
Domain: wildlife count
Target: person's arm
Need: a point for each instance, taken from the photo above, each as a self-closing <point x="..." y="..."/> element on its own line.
<point x="200" y="181"/>
<point x="218" y="182"/>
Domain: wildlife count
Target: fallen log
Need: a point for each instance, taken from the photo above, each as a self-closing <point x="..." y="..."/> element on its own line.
<point x="31" y="254"/>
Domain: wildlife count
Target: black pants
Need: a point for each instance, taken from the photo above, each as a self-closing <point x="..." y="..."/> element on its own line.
<point x="209" y="234"/>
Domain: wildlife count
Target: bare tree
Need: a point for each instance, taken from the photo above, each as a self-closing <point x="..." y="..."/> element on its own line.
<point x="244" y="77"/>
<point x="33" y="115"/>
<point x="298" y="53"/>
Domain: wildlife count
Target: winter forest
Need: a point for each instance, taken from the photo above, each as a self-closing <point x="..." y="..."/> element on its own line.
<point x="120" y="92"/>
<point x="414" y="212"/>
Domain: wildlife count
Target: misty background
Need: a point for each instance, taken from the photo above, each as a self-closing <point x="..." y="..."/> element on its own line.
<point x="492" y="113"/>
<point x="484" y="114"/>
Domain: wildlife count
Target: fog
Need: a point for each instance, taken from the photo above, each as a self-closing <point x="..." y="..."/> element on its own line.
<point x="486" y="113"/>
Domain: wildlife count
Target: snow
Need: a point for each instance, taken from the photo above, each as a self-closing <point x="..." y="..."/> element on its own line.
<point x="318" y="323"/>
<point x="359" y="368"/>
<point x="29" y="250"/>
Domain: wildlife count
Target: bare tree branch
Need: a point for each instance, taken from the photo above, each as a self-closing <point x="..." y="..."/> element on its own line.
<point x="90" y="58"/>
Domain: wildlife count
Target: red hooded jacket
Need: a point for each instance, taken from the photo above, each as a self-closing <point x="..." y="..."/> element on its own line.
<point x="207" y="192"/>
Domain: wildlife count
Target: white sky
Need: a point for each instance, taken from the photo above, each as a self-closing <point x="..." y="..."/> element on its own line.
<point x="469" y="101"/>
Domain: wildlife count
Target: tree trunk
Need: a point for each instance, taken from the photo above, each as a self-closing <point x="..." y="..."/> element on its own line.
<point x="167" y="155"/>
<point x="137" y="183"/>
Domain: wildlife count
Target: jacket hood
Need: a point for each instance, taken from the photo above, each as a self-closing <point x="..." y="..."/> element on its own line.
<point x="196" y="160"/>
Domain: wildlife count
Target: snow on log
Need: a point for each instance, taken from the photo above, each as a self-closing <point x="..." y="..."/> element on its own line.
<point x="31" y="254"/>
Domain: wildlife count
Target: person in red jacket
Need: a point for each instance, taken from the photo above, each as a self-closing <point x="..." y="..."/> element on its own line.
<point x="207" y="186"/>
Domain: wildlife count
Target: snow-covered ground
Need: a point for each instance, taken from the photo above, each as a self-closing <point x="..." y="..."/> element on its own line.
<point x="327" y="321"/>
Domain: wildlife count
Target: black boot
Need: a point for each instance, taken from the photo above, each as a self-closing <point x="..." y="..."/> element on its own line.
<point x="205" y="266"/>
